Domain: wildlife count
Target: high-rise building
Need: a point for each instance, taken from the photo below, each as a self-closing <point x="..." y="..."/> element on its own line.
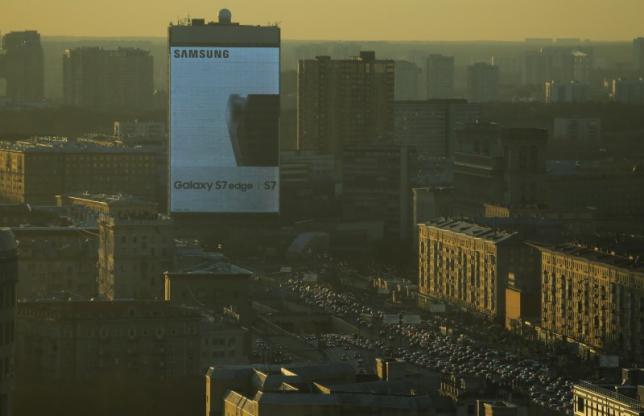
<point x="430" y="126"/>
<point x="499" y="165"/>
<point x="345" y="102"/>
<point x="566" y="92"/>
<point x="22" y="66"/>
<point x="482" y="82"/>
<point x="8" y="281"/>
<point x="628" y="91"/>
<point x="440" y="76"/>
<point x="407" y="77"/>
<point x="558" y="63"/>
<point x="136" y="247"/>
<point x="120" y="79"/>
<point x="376" y="186"/>
<point x="594" y="297"/>
<point x="638" y="54"/>
<point x="224" y="117"/>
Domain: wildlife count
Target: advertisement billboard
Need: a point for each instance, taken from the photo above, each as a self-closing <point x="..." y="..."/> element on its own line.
<point x="224" y="129"/>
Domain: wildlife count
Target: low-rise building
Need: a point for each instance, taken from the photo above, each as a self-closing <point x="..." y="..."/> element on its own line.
<point x="315" y="389"/>
<point x="209" y="281"/>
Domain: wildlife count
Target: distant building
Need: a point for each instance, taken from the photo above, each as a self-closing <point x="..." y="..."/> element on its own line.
<point x="376" y="187"/>
<point x="8" y="280"/>
<point x="35" y="171"/>
<point x="482" y="82"/>
<point x="626" y="399"/>
<point x="136" y="246"/>
<point x="638" y="54"/>
<point x="345" y="102"/>
<point x="22" y="66"/>
<point x="430" y="126"/>
<point x="593" y="297"/>
<point x="557" y="92"/>
<point x="314" y="389"/>
<point x="440" y="76"/>
<point x="475" y="278"/>
<point x="96" y="78"/>
<point x="558" y="63"/>
<point x="577" y="132"/>
<point x="611" y="186"/>
<point x="407" y="77"/>
<point x="628" y="91"/>
<point x="57" y="262"/>
<point x="500" y="165"/>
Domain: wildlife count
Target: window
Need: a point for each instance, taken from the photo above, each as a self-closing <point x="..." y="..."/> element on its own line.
<point x="580" y="404"/>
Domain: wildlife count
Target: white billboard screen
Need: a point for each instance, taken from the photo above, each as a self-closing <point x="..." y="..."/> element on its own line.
<point x="224" y="134"/>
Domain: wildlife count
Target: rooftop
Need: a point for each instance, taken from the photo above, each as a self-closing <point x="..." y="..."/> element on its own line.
<point x="63" y="145"/>
<point x="598" y="255"/>
<point x="460" y="226"/>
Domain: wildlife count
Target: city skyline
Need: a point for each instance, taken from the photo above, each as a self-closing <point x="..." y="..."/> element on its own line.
<point x="411" y="20"/>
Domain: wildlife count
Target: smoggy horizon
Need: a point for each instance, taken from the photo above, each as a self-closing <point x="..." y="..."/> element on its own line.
<point x="358" y="20"/>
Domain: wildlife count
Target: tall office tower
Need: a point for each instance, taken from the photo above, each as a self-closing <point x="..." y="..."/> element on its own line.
<point x="482" y="82"/>
<point x="376" y="187"/>
<point x="120" y="79"/>
<point x="430" y="126"/>
<point x="440" y="76"/>
<point x="136" y="247"/>
<point x="534" y="68"/>
<point x="224" y="117"/>
<point x="8" y="280"/>
<point x="407" y="77"/>
<point x="638" y="54"/>
<point x="500" y="166"/>
<point x="345" y="102"/>
<point x="22" y="66"/>
<point x="582" y="66"/>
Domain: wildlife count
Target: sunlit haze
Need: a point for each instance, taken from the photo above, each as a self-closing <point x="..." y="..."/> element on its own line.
<point x="337" y="19"/>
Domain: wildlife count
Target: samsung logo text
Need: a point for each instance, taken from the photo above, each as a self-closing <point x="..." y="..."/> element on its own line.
<point x="201" y="54"/>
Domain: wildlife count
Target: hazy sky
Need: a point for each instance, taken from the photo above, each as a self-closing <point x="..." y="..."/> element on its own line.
<point x="341" y="19"/>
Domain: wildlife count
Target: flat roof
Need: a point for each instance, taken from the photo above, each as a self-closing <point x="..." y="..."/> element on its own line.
<point x="470" y="229"/>
<point x="597" y="255"/>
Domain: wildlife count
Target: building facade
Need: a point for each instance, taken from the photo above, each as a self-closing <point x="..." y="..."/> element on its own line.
<point x="603" y="400"/>
<point x="593" y="297"/>
<point x="120" y="79"/>
<point x="35" y="171"/>
<point x="506" y="166"/>
<point x="467" y="264"/>
<point x="440" y="76"/>
<point x="57" y="262"/>
<point x="376" y="187"/>
<point x="22" y="66"/>
<point x="345" y="101"/>
<point x="8" y="280"/>
<point x="482" y="82"/>
<point x="430" y="126"/>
